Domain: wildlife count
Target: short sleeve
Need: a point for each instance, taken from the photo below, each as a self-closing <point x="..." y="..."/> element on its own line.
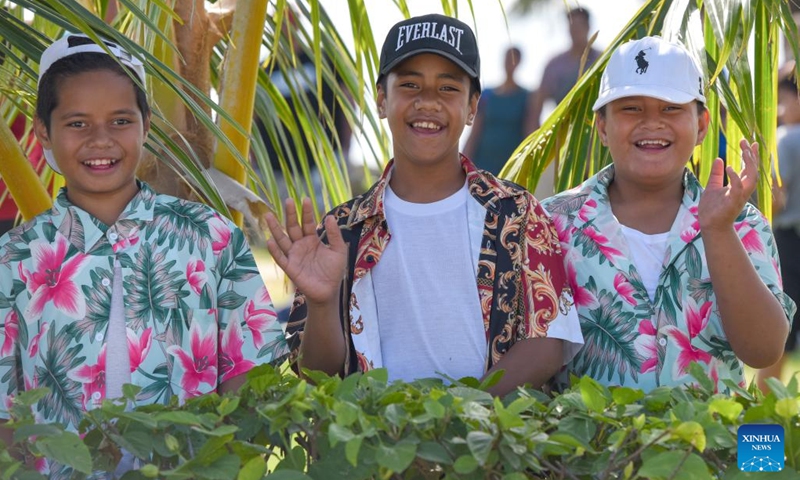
<point x="250" y="331"/>
<point x="9" y="330"/>
<point x="759" y="243"/>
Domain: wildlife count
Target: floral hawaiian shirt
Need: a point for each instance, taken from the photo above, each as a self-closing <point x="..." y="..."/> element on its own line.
<point x="521" y="280"/>
<point x="196" y="309"/>
<point x="629" y="339"/>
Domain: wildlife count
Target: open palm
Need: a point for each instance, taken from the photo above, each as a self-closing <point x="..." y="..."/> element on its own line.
<point x="721" y="204"/>
<point x="315" y="268"/>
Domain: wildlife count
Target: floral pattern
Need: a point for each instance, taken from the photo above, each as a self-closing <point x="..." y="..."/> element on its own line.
<point x="629" y="338"/>
<point x="521" y="279"/>
<point x="197" y="312"/>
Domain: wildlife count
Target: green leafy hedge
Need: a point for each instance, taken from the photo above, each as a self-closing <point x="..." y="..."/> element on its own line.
<point x="361" y="427"/>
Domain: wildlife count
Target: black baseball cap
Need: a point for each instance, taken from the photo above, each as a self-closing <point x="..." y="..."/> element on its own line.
<point x="433" y="33"/>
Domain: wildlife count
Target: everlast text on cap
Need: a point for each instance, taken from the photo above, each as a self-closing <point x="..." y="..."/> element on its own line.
<point x="434" y="33"/>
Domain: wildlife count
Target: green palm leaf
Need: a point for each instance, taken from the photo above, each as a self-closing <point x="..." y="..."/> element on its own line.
<point x="608" y="341"/>
<point x="155" y="288"/>
<point x="181" y="223"/>
<point x="63" y="401"/>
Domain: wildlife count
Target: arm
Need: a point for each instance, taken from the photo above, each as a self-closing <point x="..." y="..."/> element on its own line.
<point x="533" y="110"/>
<point x="232" y="384"/>
<point x="753" y="319"/>
<point x="317" y="270"/>
<point x="531" y="361"/>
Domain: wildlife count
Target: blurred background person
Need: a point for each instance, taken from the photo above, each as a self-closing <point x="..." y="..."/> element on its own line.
<point x="786" y="207"/>
<point x="500" y="122"/>
<point x="563" y="70"/>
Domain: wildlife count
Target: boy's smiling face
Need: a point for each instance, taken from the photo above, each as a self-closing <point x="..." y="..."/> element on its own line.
<point x="651" y="140"/>
<point x="427" y="103"/>
<point x="97" y="135"/>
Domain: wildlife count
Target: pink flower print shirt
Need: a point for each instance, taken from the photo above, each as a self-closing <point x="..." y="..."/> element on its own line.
<point x="630" y="339"/>
<point x="196" y="310"/>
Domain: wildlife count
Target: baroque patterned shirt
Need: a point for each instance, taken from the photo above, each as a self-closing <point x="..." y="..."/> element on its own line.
<point x="629" y="339"/>
<point x="196" y="309"/>
<point x="522" y="285"/>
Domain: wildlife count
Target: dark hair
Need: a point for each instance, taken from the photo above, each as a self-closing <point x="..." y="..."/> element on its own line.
<point x="601" y="112"/>
<point x="473" y="85"/>
<point x="788" y="82"/>
<point x="579" y="12"/>
<point x="47" y="95"/>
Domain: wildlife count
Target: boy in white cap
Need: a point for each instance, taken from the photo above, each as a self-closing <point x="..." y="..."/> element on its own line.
<point x="440" y="269"/>
<point x="117" y="284"/>
<point x="663" y="272"/>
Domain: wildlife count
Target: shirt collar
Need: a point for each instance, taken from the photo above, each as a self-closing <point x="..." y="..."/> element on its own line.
<point x="597" y="186"/>
<point x="68" y="215"/>
<point x="483" y="187"/>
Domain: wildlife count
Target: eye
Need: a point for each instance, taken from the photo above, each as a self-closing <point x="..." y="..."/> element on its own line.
<point x="122" y="121"/>
<point x="672" y="108"/>
<point x="76" y="124"/>
<point x="450" y="88"/>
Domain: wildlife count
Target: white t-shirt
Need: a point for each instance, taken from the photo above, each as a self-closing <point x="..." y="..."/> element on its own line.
<point x="117" y="358"/>
<point x="648" y="256"/>
<point x="429" y="315"/>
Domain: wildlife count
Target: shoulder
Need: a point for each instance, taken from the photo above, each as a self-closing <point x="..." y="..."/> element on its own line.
<point x="566" y="202"/>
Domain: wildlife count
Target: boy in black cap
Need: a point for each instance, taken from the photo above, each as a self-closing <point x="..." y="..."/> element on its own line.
<point x="439" y="269"/>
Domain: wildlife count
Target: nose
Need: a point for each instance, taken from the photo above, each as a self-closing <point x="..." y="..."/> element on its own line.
<point x="101" y="137"/>
<point x="427" y="100"/>
<point x="652" y="119"/>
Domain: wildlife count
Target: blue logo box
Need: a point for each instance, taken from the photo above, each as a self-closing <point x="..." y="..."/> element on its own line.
<point x="760" y="448"/>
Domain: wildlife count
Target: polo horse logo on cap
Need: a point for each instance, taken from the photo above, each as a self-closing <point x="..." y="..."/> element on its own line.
<point x="641" y="63"/>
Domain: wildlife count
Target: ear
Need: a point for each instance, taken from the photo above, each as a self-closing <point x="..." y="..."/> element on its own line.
<point x="703" y="120"/>
<point x="381" y="101"/>
<point x="600" y="125"/>
<point x="41" y="133"/>
<point x="146" y="126"/>
<point x="473" y="108"/>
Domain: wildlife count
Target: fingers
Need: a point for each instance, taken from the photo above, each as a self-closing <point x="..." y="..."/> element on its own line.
<point x="309" y="226"/>
<point x="282" y="242"/>
<point x="277" y="253"/>
<point x="717" y="176"/>
<point x="750" y="157"/>
<point x="292" y="224"/>
<point x="335" y="239"/>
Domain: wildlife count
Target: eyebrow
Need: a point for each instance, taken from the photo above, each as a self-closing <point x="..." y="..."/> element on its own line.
<point x="444" y="75"/>
<point x="79" y="114"/>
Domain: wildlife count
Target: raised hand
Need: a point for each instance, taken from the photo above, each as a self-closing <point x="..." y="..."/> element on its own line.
<point x="315" y="268"/>
<point x="720" y="205"/>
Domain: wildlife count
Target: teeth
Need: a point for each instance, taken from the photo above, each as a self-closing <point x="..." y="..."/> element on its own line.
<point x="662" y="143"/>
<point x="100" y="162"/>
<point x="426" y="125"/>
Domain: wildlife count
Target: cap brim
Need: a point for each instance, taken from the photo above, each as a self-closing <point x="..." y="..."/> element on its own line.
<point x="389" y="66"/>
<point x="662" y="93"/>
<point x="51" y="161"/>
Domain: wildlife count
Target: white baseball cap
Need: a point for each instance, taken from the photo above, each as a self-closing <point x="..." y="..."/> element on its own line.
<point x="651" y="67"/>
<point x="72" y="43"/>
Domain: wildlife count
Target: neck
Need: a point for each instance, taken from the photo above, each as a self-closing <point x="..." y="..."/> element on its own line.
<point x="426" y="185"/>
<point x="509" y="85"/>
<point x="648" y="209"/>
<point x="102" y="206"/>
<point x="578" y="48"/>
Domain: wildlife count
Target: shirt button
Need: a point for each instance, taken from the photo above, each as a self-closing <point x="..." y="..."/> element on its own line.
<point x="106" y="282"/>
<point x="662" y="341"/>
<point x="99" y="337"/>
<point x="113" y="236"/>
<point x="96" y="396"/>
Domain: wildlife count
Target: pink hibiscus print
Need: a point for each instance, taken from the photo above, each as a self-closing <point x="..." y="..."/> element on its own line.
<point x="199" y="364"/>
<point x="582" y="296"/>
<point x="220" y="234"/>
<point x="232" y="362"/>
<point x="11" y="332"/>
<point x="564" y="233"/>
<point x="697" y="317"/>
<point x="646" y="347"/>
<point x="751" y="241"/>
<point x="688" y="352"/>
<point x="93" y="378"/>
<point x="130" y="240"/>
<point x="259" y="315"/>
<point x="52" y="280"/>
<point x="138" y="347"/>
<point x="602" y="242"/>
<point x="196" y="275"/>
<point x="588" y="210"/>
<point x="33" y="347"/>
<point x="690" y="233"/>
<point x="624" y="288"/>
